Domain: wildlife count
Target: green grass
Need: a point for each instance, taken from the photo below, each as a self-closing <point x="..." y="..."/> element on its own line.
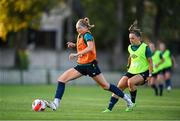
<point x="85" y="102"/>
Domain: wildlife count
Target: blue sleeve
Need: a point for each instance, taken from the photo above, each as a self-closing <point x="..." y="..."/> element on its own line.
<point x="148" y="52"/>
<point x="88" y="37"/>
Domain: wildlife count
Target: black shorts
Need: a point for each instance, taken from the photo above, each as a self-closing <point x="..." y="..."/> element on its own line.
<point x="155" y="74"/>
<point x="143" y="74"/>
<point x="169" y="69"/>
<point x="90" y="69"/>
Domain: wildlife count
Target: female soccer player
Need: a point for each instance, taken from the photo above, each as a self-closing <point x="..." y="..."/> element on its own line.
<point x="87" y="65"/>
<point x="139" y="67"/>
<point x="157" y="79"/>
<point x="169" y="62"/>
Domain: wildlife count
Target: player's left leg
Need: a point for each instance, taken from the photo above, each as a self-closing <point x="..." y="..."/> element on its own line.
<point x="160" y="81"/>
<point x="62" y="80"/>
<point x="112" y="88"/>
<point x="167" y="76"/>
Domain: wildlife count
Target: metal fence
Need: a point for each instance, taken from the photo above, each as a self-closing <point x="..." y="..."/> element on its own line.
<point x="49" y="76"/>
<point x="46" y="76"/>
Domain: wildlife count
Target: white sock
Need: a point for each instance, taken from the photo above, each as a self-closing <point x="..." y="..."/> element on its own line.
<point x="126" y="98"/>
<point x="57" y="101"/>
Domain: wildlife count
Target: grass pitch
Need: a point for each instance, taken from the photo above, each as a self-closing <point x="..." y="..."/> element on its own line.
<point x="85" y="103"/>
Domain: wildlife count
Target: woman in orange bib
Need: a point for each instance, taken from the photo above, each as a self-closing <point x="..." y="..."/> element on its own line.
<point x="87" y="65"/>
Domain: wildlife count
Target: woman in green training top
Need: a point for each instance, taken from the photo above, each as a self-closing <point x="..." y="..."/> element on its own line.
<point x="139" y="67"/>
<point x="156" y="82"/>
<point x="169" y="62"/>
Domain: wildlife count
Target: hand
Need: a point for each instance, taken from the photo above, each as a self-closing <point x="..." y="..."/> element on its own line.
<point x="71" y="44"/>
<point x="149" y="77"/>
<point x="72" y="56"/>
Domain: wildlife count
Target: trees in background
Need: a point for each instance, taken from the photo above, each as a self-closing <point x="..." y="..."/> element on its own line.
<point x="107" y="15"/>
<point x="18" y="15"/>
<point x="157" y="19"/>
<point x="167" y="19"/>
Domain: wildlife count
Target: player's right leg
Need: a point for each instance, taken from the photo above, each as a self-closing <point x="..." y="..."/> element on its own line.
<point x="122" y="84"/>
<point x="68" y="75"/>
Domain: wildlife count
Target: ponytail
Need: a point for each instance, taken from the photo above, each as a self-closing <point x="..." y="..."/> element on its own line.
<point x="85" y="22"/>
<point x="134" y="29"/>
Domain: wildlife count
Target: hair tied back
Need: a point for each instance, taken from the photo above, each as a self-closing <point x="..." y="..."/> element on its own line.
<point x="87" y="22"/>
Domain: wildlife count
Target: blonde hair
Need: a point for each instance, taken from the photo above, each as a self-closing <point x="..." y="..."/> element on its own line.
<point x="85" y="22"/>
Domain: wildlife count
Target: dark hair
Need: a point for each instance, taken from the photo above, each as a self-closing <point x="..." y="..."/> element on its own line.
<point x="137" y="33"/>
<point x="134" y="29"/>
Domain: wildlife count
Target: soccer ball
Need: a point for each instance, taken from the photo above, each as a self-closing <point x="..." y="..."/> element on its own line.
<point x="38" y="105"/>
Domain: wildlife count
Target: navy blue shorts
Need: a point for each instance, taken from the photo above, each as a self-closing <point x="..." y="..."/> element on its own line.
<point x="143" y="74"/>
<point x="155" y="74"/>
<point x="167" y="70"/>
<point x="90" y="69"/>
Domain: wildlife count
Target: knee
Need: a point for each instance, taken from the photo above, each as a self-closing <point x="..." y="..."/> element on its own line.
<point x="105" y="86"/>
<point x="167" y="75"/>
<point x="130" y="84"/>
<point x="122" y="87"/>
<point x="160" y="78"/>
<point x="61" y="80"/>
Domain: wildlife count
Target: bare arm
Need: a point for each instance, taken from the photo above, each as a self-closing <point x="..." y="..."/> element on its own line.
<point x="150" y="65"/>
<point x="150" y="68"/>
<point x="174" y="61"/>
<point x="129" y="62"/>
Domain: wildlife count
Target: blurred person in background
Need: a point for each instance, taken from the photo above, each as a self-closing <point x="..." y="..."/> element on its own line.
<point x="157" y="80"/>
<point x="168" y="64"/>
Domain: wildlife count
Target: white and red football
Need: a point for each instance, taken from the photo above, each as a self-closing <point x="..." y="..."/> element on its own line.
<point x="38" y="105"/>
